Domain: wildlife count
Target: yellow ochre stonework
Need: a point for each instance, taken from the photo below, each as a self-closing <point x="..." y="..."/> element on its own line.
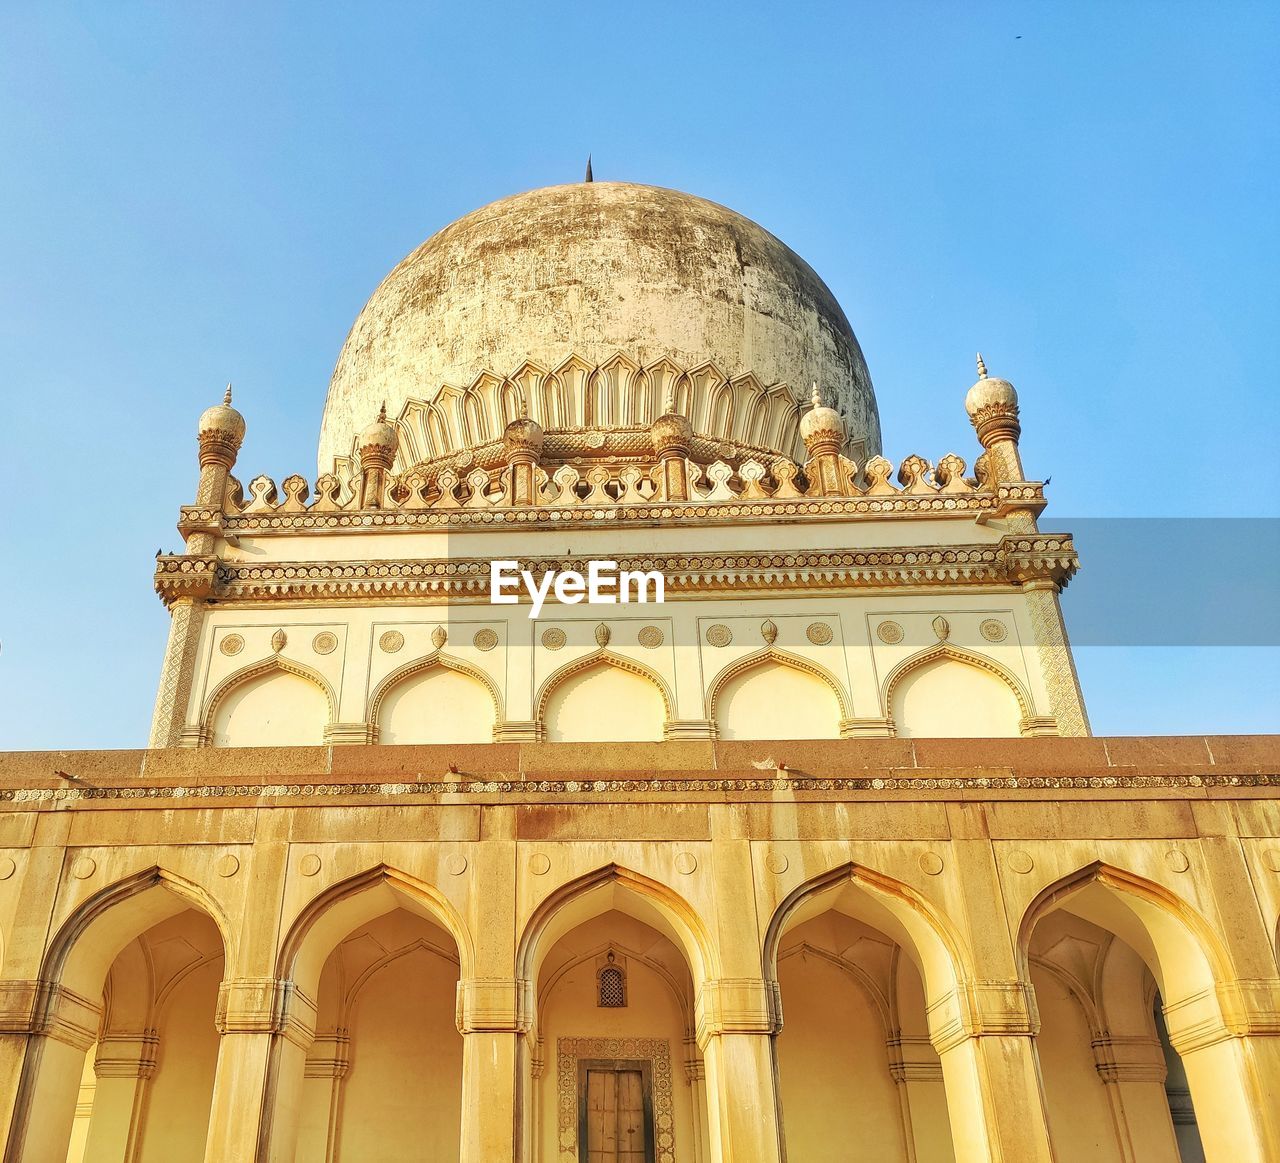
<point x="814" y="860"/>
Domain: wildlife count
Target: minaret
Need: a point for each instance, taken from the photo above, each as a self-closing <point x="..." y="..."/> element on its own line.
<point x="992" y="405"/>
<point x="822" y="431"/>
<point x="377" y="446"/>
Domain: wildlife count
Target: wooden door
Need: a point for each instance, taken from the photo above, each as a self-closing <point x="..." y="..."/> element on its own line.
<point x="615" y="1114"/>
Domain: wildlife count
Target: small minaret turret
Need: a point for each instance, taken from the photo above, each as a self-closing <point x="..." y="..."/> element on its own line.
<point x="672" y="437"/>
<point x="992" y="405"/>
<point x="377" y="446"/>
<point x="220" y="433"/>
<point x="822" y="431"/>
<point x="522" y="448"/>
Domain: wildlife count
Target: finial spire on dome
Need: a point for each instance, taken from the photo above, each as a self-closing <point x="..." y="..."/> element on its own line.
<point x="589" y="177"/>
<point x="817" y="395"/>
<point x="226" y="396"/>
<point x="982" y="368"/>
<point x="382" y="413"/>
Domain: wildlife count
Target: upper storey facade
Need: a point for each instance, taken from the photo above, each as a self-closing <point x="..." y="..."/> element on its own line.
<point x="813" y="589"/>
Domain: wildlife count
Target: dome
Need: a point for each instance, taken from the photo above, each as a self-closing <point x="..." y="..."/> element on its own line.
<point x="592" y="270"/>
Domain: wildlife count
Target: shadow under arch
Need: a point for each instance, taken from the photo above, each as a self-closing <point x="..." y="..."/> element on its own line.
<point x="945" y="651"/>
<point x="601" y="657"/>
<point x="75" y="968"/>
<point x="641" y="897"/>
<point x="889" y="905"/>
<point x="328" y="917"/>
<point x="785" y="658"/>
<point x="246" y="674"/>
<point x="1180" y="948"/>
<point x="436" y="659"/>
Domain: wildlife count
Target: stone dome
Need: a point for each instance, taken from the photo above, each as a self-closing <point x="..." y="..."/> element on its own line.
<point x="594" y="269"/>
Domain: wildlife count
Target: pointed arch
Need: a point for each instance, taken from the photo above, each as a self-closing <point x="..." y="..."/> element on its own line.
<point x="945" y="651"/>
<point x="138" y="902"/>
<point x="1179" y="946"/>
<point x="601" y="657"/>
<point x="435" y="659"/>
<point x="893" y="907"/>
<point x="342" y="907"/>
<point x="275" y="664"/>
<point x="658" y="906"/>
<point x="773" y="654"/>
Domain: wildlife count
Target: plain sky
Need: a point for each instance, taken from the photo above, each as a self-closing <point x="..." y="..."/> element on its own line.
<point x="195" y="193"/>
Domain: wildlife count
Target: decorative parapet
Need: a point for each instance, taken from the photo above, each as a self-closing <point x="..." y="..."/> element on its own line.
<point x="616" y="491"/>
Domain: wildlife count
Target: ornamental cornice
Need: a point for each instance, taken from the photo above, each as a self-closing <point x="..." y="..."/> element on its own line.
<point x="506" y="785"/>
<point x="180" y="575"/>
<point x="1011" y="561"/>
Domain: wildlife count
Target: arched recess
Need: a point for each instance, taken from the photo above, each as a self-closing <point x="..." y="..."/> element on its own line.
<point x="393" y="686"/>
<point x="608" y="714"/>
<point x="313" y="936"/>
<point x="69" y="1005"/>
<point x="896" y="951"/>
<point x="294" y="716"/>
<point x="383" y="1076"/>
<point x="1000" y="707"/>
<point x="1154" y="927"/>
<point x="789" y="716"/>
<point x="665" y="954"/>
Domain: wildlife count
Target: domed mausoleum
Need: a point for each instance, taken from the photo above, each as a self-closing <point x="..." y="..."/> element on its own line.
<point x="804" y="851"/>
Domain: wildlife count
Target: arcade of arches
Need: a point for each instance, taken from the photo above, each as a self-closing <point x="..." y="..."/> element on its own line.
<point x="295" y="965"/>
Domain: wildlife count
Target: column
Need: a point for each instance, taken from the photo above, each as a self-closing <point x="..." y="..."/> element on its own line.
<point x="1230" y="1049"/>
<point x="1133" y="1071"/>
<point x="123" y="1066"/>
<point x="266" y="1028"/>
<point x="984" y="1032"/>
<point x="492" y="1018"/>
<point x="60" y="1028"/>
<point x="736" y="1023"/>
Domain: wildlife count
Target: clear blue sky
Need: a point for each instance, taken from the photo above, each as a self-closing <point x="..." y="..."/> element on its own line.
<point x="196" y="193"/>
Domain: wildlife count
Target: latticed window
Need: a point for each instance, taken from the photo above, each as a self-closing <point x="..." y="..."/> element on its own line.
<point x="613" y="987"/>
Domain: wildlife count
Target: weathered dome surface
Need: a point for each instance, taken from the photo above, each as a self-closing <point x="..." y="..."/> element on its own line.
<point x="593" y="269"/>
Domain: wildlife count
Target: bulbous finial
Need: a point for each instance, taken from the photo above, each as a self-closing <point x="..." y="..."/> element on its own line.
<point x="821" y="428"/>
<point x="220" y="432"/>
<point x="669" y="401"/>
<point x="992" y="405"/>
<point x="380" y="434"/>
